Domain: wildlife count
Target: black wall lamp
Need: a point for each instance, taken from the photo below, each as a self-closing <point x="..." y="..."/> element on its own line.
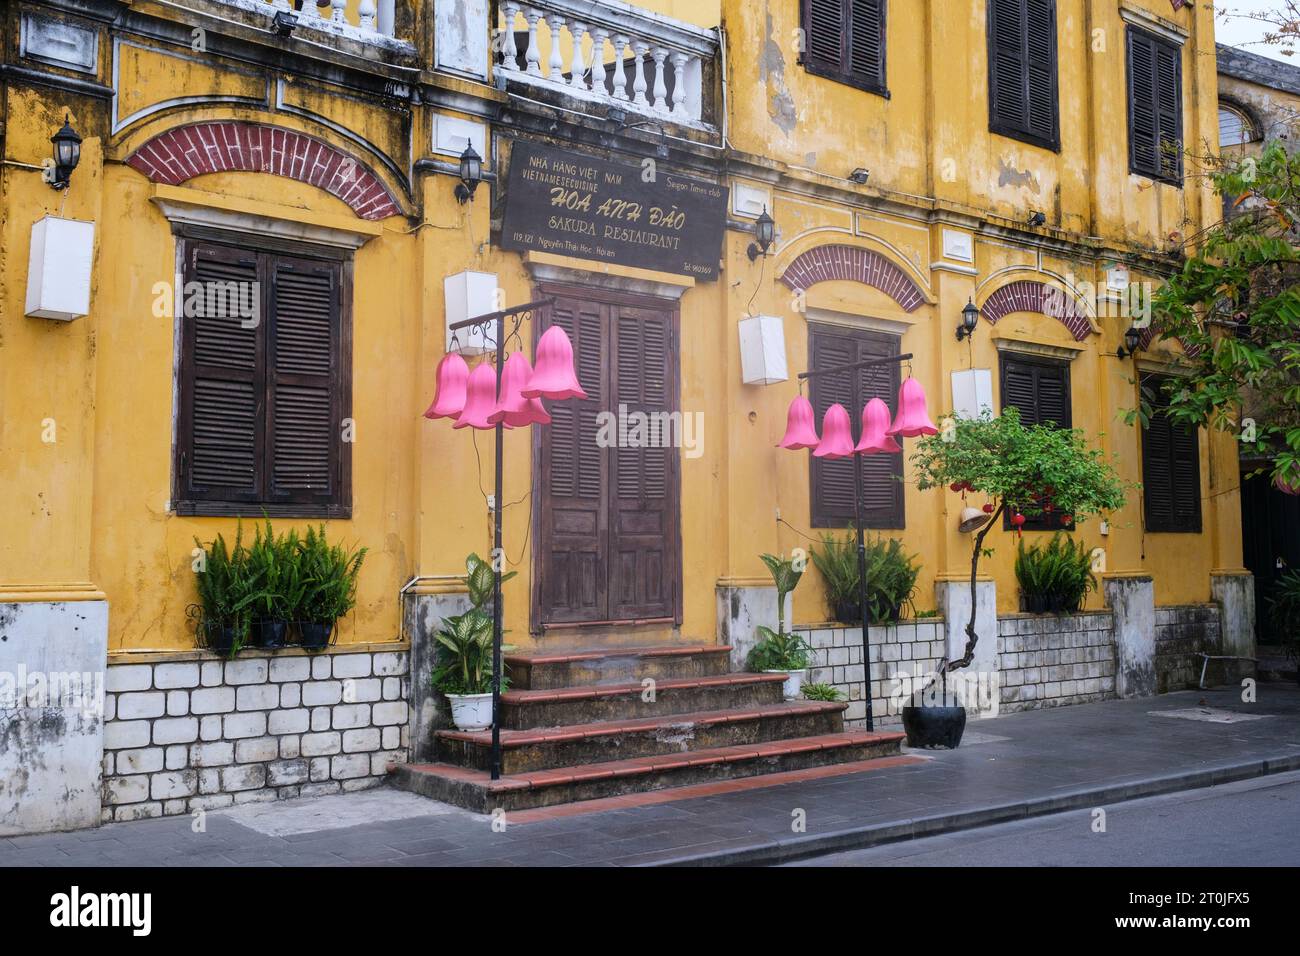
<point x="283" y="23"/>
<point x="970" y="317"/>
<point x="67" y="153"/>
<point x="1131" y="340"/>
<point x="471" y="174"/>
<point x="860" y="176"/>
<point x="764" y="234"/>
<point x="1037" y="219"/>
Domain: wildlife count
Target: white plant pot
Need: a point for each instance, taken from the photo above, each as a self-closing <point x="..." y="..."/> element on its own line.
<point x="471" y="711"/>
<point x="793" y="686"/>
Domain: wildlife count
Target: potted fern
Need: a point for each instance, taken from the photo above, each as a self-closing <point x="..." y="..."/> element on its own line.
<point x="463" y="669"/>
<point x="1055" y="578"/>
<point x="328" y="586"/>
<point x="891" y="578"/>
<point x="224" y="586"/>
<point x="273" y="568"/>
<point x="776" y="651"/>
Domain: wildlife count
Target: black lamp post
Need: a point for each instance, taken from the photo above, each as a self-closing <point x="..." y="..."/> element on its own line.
<point x="471" y="174"/>
<point x="1131" y="340"/>
<point x="764" y="233"/>
<point x="67" y="153"/>
<point x="970" y="317"/>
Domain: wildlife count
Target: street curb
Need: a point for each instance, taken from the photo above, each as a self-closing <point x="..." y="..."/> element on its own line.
<point x="858" y="838"/>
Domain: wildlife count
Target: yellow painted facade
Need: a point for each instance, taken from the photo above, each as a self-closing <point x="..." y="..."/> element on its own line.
<point x="88" y="511"/>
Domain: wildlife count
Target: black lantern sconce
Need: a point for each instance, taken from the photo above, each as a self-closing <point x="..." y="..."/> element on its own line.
<point x="67" y="153"/>
<point x="471" y="174"/>
<point x="1132" y="338"/>
<point x="970" y="317"/>
<point x="765" y="235"/>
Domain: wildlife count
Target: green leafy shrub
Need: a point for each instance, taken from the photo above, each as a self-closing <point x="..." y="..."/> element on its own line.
<point x="891" y="577"/>
<point x="464" y="660"/>
<point x="777" y="651"/>
<point x="822" y="692"/>
<point x="1055" y="578"/>
<point x="225" y="589"/>
<point x="328" y="578"/>
<point x="1284" y="612"/>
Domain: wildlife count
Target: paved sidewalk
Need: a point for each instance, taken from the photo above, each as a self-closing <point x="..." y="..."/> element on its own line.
<point x="1009" y="768"/>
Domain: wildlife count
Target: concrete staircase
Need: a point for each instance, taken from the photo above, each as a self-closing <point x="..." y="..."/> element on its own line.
<point x="582" y="725"/>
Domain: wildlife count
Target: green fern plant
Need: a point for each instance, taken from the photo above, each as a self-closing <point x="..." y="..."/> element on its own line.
<point x="822" y="692"/>
<point x="226" y="589"/>
<point x="328" y="578"/>
<point x="1055" y="577"/>
<point x="1284" y="612"/>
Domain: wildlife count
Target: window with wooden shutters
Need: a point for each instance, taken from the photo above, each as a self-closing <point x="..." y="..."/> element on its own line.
<point x="1040" y="390"/>
<point x="1155" y="107"/>
<point x="264" y="384"/>
<point x="845" y="40"/>
<point x="1171" y="468"/>
<point x="1022" y="71"/>
<point x="832" y="483"/>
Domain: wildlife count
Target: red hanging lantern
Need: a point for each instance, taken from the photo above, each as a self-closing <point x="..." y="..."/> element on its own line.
<point x="449" y="394"/>
<point x="875" y="425"/>
<point x="554" y="375"/>
<point x="512" y="408"/>
<point x="912" y="419"/>
<point x="837" y="434"/>
<point x="800" y="431"/>
<point x="481" y="398"/>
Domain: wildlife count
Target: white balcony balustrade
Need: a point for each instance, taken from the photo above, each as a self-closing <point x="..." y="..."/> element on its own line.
<point x="609" y="53"/>
<point x="366" y="20"/>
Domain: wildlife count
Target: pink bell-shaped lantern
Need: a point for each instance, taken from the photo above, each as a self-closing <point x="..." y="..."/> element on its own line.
<point x="512" y="408"/>
<point x="449" y="395"/>
<point x="837" y="435"/>
<point x="875" y="425"/>
<point x="554" y="375"/>
<point x="480" y="399"/>
<point x="800" y="432"/>
<point x="912" y="418"/>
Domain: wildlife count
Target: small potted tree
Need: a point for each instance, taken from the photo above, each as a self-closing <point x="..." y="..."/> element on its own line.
<point x="776" y="651"/>
<point x="1019" y="469"/>
<point x="463" y="669"/>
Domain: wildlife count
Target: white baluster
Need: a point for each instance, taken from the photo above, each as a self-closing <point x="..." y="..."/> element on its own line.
<point x="509" y="51"/>
<point x="598" y="38"/>
<point x="366" y="11"/>
<point x="660" y="105"/>
<point x="639" y="48"/>
<point x="533" y="57"/>
<point x="280" y="5"/>
<point x="387" y="17"/>
<point x="578" y="68"/>
<point x="556" y="23"/>
<point x="340" y="7"/>
<point x="309" y="11"/>
<point x="620" y="74"/>
<point x="694" y="83"/>
<point x="679" y="85"/>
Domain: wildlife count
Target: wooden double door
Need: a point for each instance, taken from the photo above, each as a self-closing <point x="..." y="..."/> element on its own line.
<point x="607" y="470"/>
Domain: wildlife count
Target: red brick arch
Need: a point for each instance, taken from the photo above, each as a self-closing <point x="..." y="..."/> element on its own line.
<point x="184" y="152"/>
<point x="1027" y="295"/>
<point x="826" y="263"/>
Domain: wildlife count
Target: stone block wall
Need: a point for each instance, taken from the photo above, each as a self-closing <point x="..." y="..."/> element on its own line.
<point x="1050" y="661"/>
<point x="1182" y="633"/>
<point x="193" y="731"/>
<point x="905" y="650"/>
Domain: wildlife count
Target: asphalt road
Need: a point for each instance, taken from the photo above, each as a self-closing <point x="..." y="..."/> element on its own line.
<point x="1251" y="823"/>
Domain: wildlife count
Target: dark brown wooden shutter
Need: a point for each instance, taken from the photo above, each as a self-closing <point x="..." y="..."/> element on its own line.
<point x="832" y="483"/>
<point x="845" y="40"/>
<point x="1155" y="120"/>
<point x="575" y="531"/>
<point x="304" y="424"/>
<point x="1171" y="469"/>
<point x="1040" y="391"/>
<point x="1023" y="100"/>
<point x="221" y="428"/>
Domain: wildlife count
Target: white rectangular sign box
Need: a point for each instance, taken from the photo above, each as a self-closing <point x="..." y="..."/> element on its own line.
<point x="972" y="392"/>
<point x="762" y="350"/>
<point x="470" y="294"/>
<point x="58" y="268"/>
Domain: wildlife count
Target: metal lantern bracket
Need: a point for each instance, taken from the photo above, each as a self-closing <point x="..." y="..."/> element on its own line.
<point x="518" y="313"/>
<point x="857" y="518"/>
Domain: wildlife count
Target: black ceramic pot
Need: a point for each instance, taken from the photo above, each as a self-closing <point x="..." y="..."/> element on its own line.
<point x="934" y="727"/>
<point x="848" y="612"/>
<point x="270" y="633"/>
<point x="220" y="637"/>
<point x="315" y="636"/>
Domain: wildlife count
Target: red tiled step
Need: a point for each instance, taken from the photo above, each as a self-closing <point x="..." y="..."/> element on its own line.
<point x="541" y="747"/>
<point x="474" y="789"/>
<point x="561" y="706"/>
<point x="613" y="665"/>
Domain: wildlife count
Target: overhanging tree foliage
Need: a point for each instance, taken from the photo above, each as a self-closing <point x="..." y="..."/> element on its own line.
<point x="1021" y="469"/>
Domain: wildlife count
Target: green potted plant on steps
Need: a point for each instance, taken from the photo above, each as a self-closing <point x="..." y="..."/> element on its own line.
<point x="776" y="651"/>
<point x="222" y="579"/>
<point x="463" y="669"/>
<point x="328" y="586"/>
<point x="1021" y="471"/>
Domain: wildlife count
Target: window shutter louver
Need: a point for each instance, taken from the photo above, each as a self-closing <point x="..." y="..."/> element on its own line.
<point x="824" y="34"/>
<point x="1171" y="465"/>
<point x="1155" y="107"/>
<point x="833" y="483"/>
<point x="1023" y="71"/>
<point x="845" y="41"/>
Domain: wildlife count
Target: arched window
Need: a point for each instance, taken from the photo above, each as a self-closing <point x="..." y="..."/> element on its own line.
<point x="1235" y="127"/>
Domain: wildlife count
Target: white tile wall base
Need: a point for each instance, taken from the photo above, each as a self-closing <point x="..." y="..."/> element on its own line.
<point x="200" y="734"/>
